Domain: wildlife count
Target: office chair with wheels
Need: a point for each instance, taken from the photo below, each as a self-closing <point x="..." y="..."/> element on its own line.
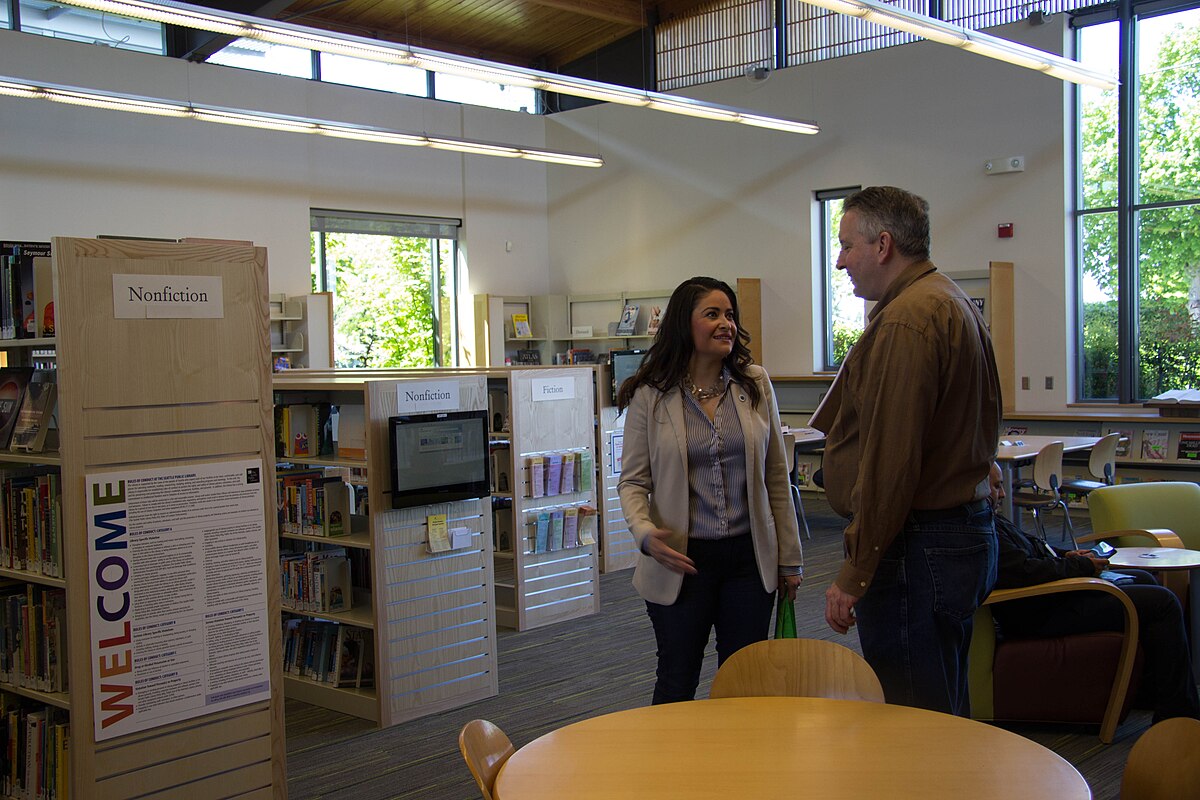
<point x="485" y="748"/>
<point x="797" y="668"/>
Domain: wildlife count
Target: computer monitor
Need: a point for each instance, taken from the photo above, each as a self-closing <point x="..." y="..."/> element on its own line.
<point x="623" y="363"/>
<point x="438" y="457"/>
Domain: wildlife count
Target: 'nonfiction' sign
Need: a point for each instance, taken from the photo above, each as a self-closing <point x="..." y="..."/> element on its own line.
<point x="168" y="297"/>
<point x="419" y="396"/>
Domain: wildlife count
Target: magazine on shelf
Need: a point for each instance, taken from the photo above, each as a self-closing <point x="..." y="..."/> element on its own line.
<point x="521" y="329"/>
<point x="628" y="324"/>
<point x="1154" y="444"/>
<point x="1189" y="446"/>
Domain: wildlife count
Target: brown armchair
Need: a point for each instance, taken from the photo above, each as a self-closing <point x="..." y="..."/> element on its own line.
<point x="1081" y="678"/>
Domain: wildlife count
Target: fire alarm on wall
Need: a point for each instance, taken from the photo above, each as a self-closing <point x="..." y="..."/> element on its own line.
<point x="1004" y="230"/>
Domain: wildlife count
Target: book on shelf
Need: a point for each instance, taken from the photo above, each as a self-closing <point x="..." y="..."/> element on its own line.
<point x="1125" y="442"/>
<point x="529" y="356"/>
<point x="655" y="321"/>
<point x="31" y="524"/>
<point x="627" y="325"/>
<point x="19" y="299"/>
<point x="1189" y="446"/>
<point x="1154" y="444"/>
<point x="521" y="329"/>
<point x="13" y="381"/>
<point x="35" y="413"/>
<point x="1176" y="396"/>
<point x="349" y="431"/>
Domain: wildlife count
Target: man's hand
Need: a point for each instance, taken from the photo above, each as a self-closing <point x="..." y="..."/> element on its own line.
<point x="839" y="609"/>
<point x="1098" y="564"/>
<point x="655" y="545"/>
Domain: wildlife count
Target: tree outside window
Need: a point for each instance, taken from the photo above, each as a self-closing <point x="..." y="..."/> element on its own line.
<point x="845" y="314"/>
<point x="1164" y="208"/>
<point x="393" y="288"/>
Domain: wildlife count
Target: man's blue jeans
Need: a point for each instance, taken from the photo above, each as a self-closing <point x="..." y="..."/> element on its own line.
<point x="914" y="623"/>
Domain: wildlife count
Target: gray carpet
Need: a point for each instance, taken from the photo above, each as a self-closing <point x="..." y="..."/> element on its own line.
<point x="563" y="673"/>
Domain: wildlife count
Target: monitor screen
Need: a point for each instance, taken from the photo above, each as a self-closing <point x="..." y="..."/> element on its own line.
<point x="623" y="364"/>
<point x="438" y="457"/>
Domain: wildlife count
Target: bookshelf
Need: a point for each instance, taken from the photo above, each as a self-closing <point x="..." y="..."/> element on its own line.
<point x="174" y="396"/>
<point x="302" y="330"/>
<point x="430" y="616"/>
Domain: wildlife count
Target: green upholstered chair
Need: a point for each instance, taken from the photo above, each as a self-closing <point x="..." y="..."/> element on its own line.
<point x="1162" y="513"/>
<point x="1080" y="679"/>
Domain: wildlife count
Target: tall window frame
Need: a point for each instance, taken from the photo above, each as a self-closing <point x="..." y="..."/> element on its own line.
<point x="378" y="267"/>
<point x="1137" y="330"/>
<point x="840" y="309"/>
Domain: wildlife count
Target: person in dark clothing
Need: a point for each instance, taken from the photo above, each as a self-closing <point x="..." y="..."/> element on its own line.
<point x="1027" y="560"/>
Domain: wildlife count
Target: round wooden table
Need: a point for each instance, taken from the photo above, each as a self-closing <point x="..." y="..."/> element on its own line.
<point x="1167" y="559"/>
<point x="767" y="747"/>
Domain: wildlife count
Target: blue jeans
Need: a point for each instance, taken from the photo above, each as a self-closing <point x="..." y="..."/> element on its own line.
<point x="727" y="593"/>
<point x="914" y="623"/>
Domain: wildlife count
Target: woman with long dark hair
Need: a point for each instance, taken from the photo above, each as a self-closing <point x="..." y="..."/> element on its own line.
<point x="704" y="487"/>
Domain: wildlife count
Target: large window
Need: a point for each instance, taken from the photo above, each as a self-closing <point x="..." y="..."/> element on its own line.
<point x="1139" y="201"/>
<point x="47" y="18"/>
<point x="394" y="287"/>
<point x="845" y="314"/>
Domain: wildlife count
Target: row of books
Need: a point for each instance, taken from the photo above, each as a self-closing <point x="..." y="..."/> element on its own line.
<point x="312" y="503"/>
<point x="27" y="404"/>
<point x="320" y="430"/>
<point x="561" y="472"/>
<point x="33" y="638"/>
<point x="342" y="656"/>
<point x="31" y="533"/>
<point x="316" y="581"/>
<point x="26" y="290"/>
<point x="34" y="760"/>
<point x="562" y="528"/>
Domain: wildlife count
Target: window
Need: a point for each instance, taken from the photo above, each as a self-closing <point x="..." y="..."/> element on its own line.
<point x="373" y="74"/>
<point x="1139" y="225"/>
<point x="472" y="91"/>
<point x="47" y="18"/>
<point x="278" y="59"/>
<point x="394" y="285"/>
<point x="845" y="314"/>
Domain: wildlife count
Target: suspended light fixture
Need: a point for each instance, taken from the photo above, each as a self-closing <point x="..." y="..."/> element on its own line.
<point x="72" y="95"/>
<point x="223" y="22"/>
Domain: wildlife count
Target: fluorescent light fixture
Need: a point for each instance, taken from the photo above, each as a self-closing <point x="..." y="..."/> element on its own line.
<point x="19" y="87"/>
<point x="958" y="36"/>
<point x="247" y="27"/>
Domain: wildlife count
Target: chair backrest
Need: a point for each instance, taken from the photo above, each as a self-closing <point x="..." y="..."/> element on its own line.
<point x="1047" y="467"/>
<point x="485" y="748"/>
<point x="797" y="668"/>
<point x="1155" y="504"/>
<point x="789" y="450"/>
<point x="1103" y="461"/>
<point x="1163" y="764"/>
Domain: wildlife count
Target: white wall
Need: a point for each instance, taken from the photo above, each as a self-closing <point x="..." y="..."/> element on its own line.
<point x="677" y="197"/>
<point x="67" y="171"/>
<point x="680" y="197"/>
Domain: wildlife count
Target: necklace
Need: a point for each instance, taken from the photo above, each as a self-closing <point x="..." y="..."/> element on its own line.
<point x="717" y="389"/>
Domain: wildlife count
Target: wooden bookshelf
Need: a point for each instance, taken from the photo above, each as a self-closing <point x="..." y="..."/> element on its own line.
<point x="163" y="392"/>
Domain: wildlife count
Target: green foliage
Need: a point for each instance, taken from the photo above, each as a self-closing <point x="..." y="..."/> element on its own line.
<point x="1168" y="239"/>
<point x="383" y="306"/>
<point x="844" y="336"/>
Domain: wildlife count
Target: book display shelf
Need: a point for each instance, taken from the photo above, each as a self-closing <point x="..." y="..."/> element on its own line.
<point x="424" y="620"/>
<point x="153" y="400"/>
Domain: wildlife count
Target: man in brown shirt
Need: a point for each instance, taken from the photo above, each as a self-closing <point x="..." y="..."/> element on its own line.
<point x="912" y="424"/>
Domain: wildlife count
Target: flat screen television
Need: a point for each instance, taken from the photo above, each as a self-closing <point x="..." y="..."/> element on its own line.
<point x="623" y="364"/>
<point x="438" y="457"/>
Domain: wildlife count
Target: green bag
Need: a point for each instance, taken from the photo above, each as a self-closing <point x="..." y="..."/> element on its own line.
<point x="785" y="618"/>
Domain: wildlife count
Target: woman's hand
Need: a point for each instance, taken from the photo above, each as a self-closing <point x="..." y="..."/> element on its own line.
<point x="655" y="545"/>
<point x="789" y="584"/>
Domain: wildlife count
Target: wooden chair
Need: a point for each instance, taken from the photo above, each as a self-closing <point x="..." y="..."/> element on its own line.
<point x="1045" y="494"/>
<point x="797" y="668"/>
<point x="1102" y="466"/>
<point x="789" y="449"/>
<point x="1165" y="763"/>
<point x="485" y="748"/>
<point x="1080" y="678"/>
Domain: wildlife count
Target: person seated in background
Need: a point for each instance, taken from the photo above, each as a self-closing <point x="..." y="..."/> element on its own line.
<point x="1027" y="560"/>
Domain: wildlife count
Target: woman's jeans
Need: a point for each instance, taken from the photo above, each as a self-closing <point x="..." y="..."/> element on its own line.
<point x="726" y="593"/>
<point x="914" y="623"/>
